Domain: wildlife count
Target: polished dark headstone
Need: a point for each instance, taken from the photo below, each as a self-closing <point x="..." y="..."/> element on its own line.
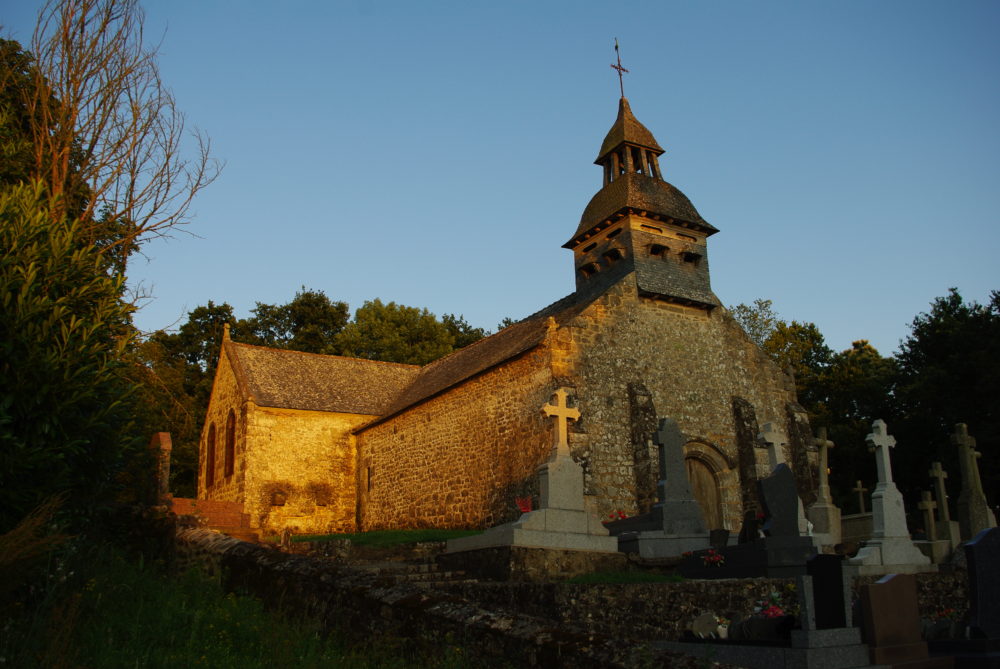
<point x="780" y="498"/>
<point x="982" y="554"/>
<point x="832" y="599"/>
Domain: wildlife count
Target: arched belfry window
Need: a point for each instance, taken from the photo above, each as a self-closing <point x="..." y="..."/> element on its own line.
<point x="210" y="456"/>
<point x="230" y="460"/>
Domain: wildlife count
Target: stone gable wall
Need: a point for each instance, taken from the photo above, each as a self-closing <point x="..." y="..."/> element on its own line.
<point x="692" y="363"/>
<point x="225" y="396"/>
<point x="307" y="460"/>
<point x="459" y="459"/>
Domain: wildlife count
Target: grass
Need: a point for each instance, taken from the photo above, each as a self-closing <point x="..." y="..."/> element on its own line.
<point x="108" y="611"/>
<point x="625" y="577"/>
<point x="383" y="538"/>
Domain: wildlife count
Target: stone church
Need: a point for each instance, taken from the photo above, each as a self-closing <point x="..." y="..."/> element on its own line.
<point x="333" y="444"/>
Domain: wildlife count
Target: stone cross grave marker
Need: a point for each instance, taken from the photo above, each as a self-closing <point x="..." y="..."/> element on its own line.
<point x="880" y="441"/>
<point x="939" y="475"/>
<point x="681" y="511"/>
<point x="563" y="413"/>
<point x="927" y="505"/>
<point x="823" y="445"/>
<point x="775" y="440"/>
<point x="974" y="513"/>
<point x="861" y="490"/>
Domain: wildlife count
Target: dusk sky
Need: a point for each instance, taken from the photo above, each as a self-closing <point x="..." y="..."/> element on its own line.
<point x="438" y="154"/>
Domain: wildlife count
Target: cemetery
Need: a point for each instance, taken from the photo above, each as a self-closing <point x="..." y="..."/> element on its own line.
<point x="776" y="595"/>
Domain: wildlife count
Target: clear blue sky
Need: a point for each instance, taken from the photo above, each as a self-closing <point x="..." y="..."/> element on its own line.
<point x="438" y="154"/>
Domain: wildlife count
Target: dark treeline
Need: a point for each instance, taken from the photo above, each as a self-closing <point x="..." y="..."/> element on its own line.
<point x="946" y="371"/>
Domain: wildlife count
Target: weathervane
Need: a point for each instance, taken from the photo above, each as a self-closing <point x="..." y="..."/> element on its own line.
<point x="621" y="70"/>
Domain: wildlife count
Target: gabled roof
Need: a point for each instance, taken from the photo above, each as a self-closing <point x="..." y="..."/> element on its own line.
<point x="295" y="380"/>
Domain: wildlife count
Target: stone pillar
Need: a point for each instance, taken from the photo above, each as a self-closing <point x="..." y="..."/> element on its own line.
<point x="160" y="446"/>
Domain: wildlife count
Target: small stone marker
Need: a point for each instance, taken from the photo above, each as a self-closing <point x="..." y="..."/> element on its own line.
<point x="891" y="623"/>
<point x="927" y="505"/>
<point x="983" y="557"/>
<point x="861" y="490"/>
<point x="974" y="513"/>
<point x="705" y="626"/>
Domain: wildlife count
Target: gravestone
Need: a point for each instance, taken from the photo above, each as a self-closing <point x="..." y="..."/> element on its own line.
<point x="782" y="551"/>
<point x="890" y="549"/>
<point x="890" y="622"/>
<point x="937" y="551"/>
<point x="775" y="441"/>
<point x="974" y="514"/>
<point x="562" y="521"/>
<point x="675" y="524"/>
<point x="982" y="647"/>
<point x="861" y="490"/>
<point x="947" y="529"/>
<point x="823" y="513"/>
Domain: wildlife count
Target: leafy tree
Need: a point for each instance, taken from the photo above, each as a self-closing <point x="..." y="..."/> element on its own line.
<point x="758" y="320"/>
<point x="853" y="390"/>
<point x="463" y="333"/>
<point x="395" y="333"/>
<point x="801" y="348"/>
<point x="176" y="371"/>
<point x="949" y="372"/>
<point x="65" y="409"/>
<point x="505" y="323"/>
<point x="310" y="323"/>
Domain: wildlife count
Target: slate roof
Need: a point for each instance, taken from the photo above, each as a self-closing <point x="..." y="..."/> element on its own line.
<point x="295" y="380"/>
<point x="640" y="193"/>
<point x="627" y="129"/>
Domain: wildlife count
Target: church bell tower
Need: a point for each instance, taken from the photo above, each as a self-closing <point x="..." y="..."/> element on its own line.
<point x="640" y="223"/>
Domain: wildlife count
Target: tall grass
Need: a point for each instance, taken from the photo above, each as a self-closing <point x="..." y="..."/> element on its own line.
<point x="108" y="611"/>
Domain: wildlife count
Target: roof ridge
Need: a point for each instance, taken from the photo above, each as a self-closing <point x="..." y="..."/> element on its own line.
<point x="323" y="355"/>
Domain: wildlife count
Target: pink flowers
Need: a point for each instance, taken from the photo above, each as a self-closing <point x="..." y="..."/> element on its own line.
<point x="772" y="611"/>
<point x="713" y="558"/>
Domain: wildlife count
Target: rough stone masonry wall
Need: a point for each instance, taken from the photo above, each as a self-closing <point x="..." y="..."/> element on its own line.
<point x="225" y="397"/>
<point x="305" y="460"/>
<point x="692" y="363"/>
<point x="458" y="460"/>
<point x="341" y="597"/>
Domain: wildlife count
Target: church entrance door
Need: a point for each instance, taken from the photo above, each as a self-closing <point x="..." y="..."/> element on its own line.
<point x="705" y="487"/>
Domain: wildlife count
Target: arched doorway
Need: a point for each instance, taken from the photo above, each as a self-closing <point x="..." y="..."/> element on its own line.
<point x="705" y="487"/>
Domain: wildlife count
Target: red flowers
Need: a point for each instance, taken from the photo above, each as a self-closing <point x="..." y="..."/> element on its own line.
<point x="523" y="503"/>
<point x="713" y="558"/>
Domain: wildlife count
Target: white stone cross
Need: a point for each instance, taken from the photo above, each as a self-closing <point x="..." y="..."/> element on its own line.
<point x="939" y="476"/>
<point x="880" y="441"/>
<point x="823" y="445"/>
<point x="861" y="490"/>
<point x="563" y="414"/>
<point x="775" y="440"/>
<point x="927" y="505"/>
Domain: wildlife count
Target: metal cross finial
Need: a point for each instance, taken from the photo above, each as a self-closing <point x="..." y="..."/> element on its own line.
<point x="621" y="70"/>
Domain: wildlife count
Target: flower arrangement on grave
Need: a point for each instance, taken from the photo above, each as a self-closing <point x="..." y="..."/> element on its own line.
<point x="616" y="515"/>
<point x="723" y="626"/>
<point x="713" y="558"/>
<point x="523" y="503"/>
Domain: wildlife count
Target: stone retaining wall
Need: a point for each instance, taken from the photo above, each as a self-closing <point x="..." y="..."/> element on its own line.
<point x="528" y="624"/>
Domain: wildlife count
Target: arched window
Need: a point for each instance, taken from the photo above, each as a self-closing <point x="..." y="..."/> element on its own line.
<point x="210" y="456"/>
<point x="230" y="460"/>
